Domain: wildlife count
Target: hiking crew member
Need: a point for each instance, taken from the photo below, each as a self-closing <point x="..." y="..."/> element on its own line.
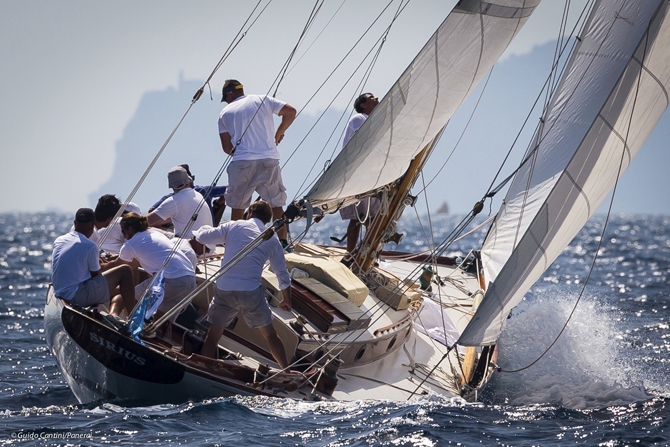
<point x="79" y="279"/>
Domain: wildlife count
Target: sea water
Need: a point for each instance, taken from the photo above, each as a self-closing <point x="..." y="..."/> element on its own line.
<point x="604" y="382"/>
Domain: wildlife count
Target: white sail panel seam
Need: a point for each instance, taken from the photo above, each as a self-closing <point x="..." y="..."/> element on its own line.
<point x="655" y="78"/>
<point x="576" y="185"/>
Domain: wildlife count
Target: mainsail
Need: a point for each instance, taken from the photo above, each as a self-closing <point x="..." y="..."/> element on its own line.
<point x="612" y="94"/>
<point x="446" y="70"/>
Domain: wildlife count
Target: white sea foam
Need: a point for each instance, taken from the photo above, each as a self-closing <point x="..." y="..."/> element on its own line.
<point x="587" y="367"/>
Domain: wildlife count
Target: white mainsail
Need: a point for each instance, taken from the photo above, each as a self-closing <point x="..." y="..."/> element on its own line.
<point x="612" y="94"/>
<point x="446" y="70"/>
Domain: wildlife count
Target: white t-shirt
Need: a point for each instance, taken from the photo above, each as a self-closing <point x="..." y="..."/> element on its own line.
<point x="355" y="123"/>
<point x="151" y="248"/>
<point x="94" y="236"/>
<point x="185" y="247"/>
<point x="74" y="258"/>
<point x="354" y="211"/>
<point x="246" y="274"/>
<point x="180" y="207"/>
<point x="115" y="238"/>
<point x="256" y="134"/>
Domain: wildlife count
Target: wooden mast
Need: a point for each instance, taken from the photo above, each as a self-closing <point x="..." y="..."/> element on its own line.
<point x="384" y="225"/>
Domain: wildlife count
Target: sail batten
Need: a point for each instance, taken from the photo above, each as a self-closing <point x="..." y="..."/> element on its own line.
<point x="421" y="102"/>
<point x="604" y="108"/>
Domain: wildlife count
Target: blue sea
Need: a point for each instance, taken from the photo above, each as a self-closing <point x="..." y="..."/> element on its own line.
<point x="606" y="382"/>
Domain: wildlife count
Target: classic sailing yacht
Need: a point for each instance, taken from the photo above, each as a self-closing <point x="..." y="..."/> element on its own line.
<point x="396" y="325"/>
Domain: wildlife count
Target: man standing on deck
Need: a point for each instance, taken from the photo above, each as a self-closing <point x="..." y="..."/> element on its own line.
<point x="367" y="208"/>
<point x="77" y="277"/>
<point x="240" y="287"/>
<point x="184" y="205"/>
<point x="246" y="129"/>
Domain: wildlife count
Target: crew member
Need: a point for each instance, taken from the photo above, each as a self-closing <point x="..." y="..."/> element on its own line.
<point x="367" y="208"/>
<point x="150" y="249"/>
<point x="78" y="277"/>
<point x="246" y="129"/>
<point x="105" y="210"/>
<point x="240" y="288"/>
<point x="185" y="205"/>
<point x="213" y="196"/>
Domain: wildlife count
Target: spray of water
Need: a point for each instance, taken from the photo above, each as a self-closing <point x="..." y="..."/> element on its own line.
<point x="588" y="367"/>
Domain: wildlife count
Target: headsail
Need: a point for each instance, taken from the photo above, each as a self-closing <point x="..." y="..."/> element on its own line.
<point x="612" y="94"/>
<point x="457" y="56"/>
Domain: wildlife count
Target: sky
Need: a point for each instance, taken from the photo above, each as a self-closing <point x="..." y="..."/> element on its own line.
<point x="75" y="71"/>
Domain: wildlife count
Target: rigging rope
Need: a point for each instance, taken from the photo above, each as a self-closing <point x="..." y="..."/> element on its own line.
<point x="518" y="136"/>
<point x="380" y="39"/>
<point x="308" y="25"/>
<point x="195" y="98"/>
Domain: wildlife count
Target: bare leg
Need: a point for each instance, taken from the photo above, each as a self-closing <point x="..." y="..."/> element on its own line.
<point x="122" y="276"/>
<point x="276" y="345"/>
<point x="209" y="346"/>
<point x="353" y="231"/>
<point x="116" y="305"/>
<point x="236" y="213"/>
<point x="277" y="213"/>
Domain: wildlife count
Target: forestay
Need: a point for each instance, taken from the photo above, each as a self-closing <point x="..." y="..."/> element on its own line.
<point x="457" y="56"/>
<point x="606" y="100"/>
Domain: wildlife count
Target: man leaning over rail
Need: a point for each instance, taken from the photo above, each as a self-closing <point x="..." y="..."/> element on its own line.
<point x="240" y="287"/>
<point x="151" y="249"/>
<point x="184" y="206"/>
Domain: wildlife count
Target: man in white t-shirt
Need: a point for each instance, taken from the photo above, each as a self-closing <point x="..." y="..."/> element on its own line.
<point x="240" y="288"/>
<point x="182" y="206"/>
<point x="79" y="279"/>
<point x="105" y="210"/>
<point x="367" y="208"/>
<point x="149" y="249"/>
<point x="246" y="129"/>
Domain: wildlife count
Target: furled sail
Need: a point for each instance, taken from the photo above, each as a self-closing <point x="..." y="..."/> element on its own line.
<point x="446" y="70"/>
<point x="612" y="94"/>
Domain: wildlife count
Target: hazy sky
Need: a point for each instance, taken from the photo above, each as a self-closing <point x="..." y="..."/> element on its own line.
<point x="73" y="71"/>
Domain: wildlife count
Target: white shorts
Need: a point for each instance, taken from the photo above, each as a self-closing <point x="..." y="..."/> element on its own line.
<point x="366" y="208"/>
<point x="262" y="176"/>
<point x="91" y="292"/>
<point x="252" y="303"/>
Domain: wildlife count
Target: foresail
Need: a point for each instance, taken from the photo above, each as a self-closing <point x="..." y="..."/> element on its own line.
<point x="612" y="94"/>
<point x="457" y="56"/>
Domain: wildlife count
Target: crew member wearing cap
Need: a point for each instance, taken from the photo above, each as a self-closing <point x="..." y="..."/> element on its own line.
<point x="247" y="132"/>
<point x="184" y="205"/>
<point x="78" y="277"/>
<point x="209" y="192"/>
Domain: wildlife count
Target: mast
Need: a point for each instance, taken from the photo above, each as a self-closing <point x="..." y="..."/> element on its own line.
<point x="384" y="225"/>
